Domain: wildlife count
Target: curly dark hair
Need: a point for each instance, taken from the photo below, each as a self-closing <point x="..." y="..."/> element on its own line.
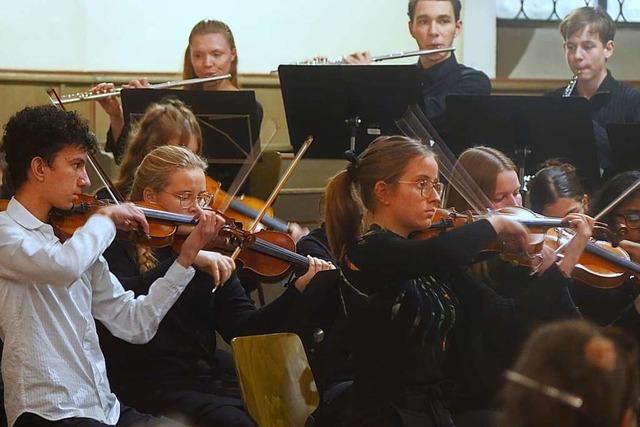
<point x="42" y="132"/>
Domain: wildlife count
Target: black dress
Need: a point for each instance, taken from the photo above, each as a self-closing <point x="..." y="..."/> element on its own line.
<point x="417" y="322"/>
<point x="180" y="371"/>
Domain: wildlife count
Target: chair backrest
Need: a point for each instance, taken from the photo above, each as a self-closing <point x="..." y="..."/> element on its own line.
<point x="277" y="385"/>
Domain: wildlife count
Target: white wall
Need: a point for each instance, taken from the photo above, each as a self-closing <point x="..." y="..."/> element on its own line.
<point x="136" y="35"/>
<point x="139" y="35"/>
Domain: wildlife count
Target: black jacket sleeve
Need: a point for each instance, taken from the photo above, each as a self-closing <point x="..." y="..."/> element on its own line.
<point x="117" y="147"/>
<point x="122" y="259"/>
<point x="235" y="314"/>
<point x="385" y="253"/>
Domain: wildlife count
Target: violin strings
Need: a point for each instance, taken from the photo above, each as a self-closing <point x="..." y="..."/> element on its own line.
<point x="279" y="252"/>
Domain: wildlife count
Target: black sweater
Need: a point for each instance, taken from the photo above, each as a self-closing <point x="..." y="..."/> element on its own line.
<point x="432" y="319"/>
<point x="182" y="351"/>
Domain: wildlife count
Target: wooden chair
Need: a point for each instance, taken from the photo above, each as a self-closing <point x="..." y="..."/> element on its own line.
<point x="277" y="385"/>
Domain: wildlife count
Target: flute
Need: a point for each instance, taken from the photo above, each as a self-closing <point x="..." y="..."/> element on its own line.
<point x="88" y="96"/>
<point x="379" y="58"/>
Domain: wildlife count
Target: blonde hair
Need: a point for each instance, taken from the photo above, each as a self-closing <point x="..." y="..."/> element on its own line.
<point x="482" y="164"/>
<point x="161" y="122"/>
<point x="210" y="26"/>
<point x="154" y="173"/>
<point x="350" y="192"/>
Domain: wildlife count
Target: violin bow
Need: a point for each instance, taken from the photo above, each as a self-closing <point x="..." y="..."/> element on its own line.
<point x="283" y="180"/>
<point x="106" y="181"/>
<point x="253" y="156"/>
<point x="607" y="209"/>
<point x="276" y="191"/>
<point x="415" y="124"/>
<point x="633" y="187"/>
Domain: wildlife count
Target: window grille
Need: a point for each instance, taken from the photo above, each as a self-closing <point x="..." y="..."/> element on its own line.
<point x="622" y="11"/>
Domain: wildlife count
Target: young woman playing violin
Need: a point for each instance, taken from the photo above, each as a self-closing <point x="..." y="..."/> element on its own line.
<point x="554" y="191"/>
<point x="496" y="177"/>
<point x="180" y="373"/>
<point x="171" y="122"/>
<point x="622" y="307"/>
<point x="53" y="369"/>
<point x="497" y="180"/>
<point x="413" y="314"/>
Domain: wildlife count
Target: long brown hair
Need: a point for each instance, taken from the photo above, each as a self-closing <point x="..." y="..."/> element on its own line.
<point x="597" y="365"/>
<point x="161" y="122"/>
<point x="350" y="192"/>
<point x="154" y="173"/>
<point x="210" y="26"/>
<point x="482" y="164"/>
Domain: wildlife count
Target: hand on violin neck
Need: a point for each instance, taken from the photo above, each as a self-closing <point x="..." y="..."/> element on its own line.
<point x="582" y="226"/>
<point x="315" y="265"/>
<point x="126" y="217"/>
<point x="511" y="232"/>
<point x="219" y="266"/>
<point x="209" y="224"/>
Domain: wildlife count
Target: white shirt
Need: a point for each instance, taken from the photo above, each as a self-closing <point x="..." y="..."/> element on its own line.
<point x="50" y="293"/>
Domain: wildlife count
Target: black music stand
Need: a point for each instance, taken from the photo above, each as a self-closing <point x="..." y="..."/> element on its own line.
<point x="624" y="139"/>
<point x="228" y="120"/>
<point x="345" y="106"/>
<point x="529" y="129"/>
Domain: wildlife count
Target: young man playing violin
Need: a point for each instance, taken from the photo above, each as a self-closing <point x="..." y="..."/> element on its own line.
<point x="435" y="24"/>
<point x="50" y="291"/>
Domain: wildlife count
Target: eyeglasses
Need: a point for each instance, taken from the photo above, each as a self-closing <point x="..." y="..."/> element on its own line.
<point x="187" y="199"/>
<point x="631" y="220"/>
<point x="426" y="186"/>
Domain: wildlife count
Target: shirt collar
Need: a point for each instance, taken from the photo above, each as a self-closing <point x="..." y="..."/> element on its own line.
<point x="441" y="69"/>
<point x="604" y="92"/>
<point x="608" y="84"/>
<point x="22" y="216"/>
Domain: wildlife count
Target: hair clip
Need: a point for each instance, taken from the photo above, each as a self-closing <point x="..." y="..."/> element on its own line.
<point x="354" y="164"/>
<point x="550" y="391"/>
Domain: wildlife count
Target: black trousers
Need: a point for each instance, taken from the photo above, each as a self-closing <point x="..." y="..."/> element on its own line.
<point x="209" y="401"/>
<point x="128" y="418"/>
<point x="201" y="409"/>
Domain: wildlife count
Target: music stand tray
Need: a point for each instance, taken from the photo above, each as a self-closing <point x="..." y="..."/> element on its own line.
<point x="624" y="139"/>
<point x="341" y="105"/>
<point x="529" y="129"/>
<point x="228" y="119"/>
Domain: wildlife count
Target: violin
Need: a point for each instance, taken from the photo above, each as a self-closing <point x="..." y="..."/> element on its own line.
<point x="244" y="209"/>
<point x="447" y="219"/>
<point x="601" y="265"/>
<point x="162" y="224"/>
<point x="270" y="254"/>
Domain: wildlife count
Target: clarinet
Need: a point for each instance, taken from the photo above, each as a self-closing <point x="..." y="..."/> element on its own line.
<point x="570" y="86"/>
